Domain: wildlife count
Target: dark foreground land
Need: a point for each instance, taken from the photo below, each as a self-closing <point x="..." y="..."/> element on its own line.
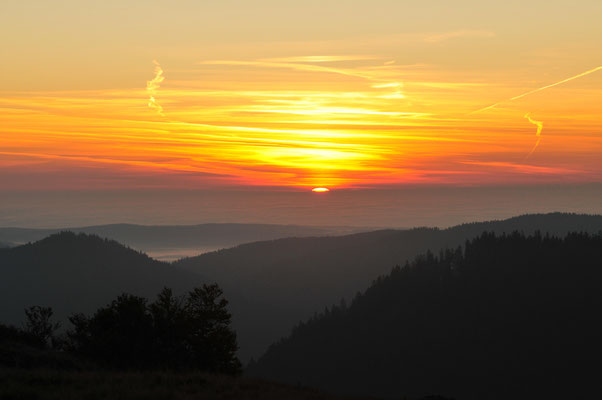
<point x="47" y="384"/>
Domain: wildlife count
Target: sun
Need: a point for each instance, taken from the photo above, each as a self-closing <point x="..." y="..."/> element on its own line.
<point x="320" y="190"/>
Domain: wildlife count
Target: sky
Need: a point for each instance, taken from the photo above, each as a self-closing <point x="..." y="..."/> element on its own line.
<point x="289" y="95"/>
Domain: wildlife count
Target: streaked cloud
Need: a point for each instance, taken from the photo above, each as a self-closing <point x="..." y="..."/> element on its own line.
<point x="526" y="168"/>
<point x="321" y="59"/>
<point x="463" y="33"/>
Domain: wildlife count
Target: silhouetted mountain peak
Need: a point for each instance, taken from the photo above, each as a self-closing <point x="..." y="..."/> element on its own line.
<point x="77" y="272"/>
<point x="68" y="238"/>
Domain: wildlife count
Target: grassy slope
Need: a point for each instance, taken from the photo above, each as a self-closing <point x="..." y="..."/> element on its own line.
<point x="69" y="385"/>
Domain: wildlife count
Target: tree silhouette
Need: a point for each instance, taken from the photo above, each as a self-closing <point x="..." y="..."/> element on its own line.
<point x="39" y="324"/>
<point x="212" y="342"/>
<point x="172" y="332"/>
<point x="117" y="335"/>
<point x="170" y="328"/>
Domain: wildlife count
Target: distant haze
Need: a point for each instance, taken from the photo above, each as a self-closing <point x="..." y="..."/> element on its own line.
<point x="398" y="207"/>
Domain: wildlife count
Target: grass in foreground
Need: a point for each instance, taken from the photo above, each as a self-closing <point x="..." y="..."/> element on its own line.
<point x="19" y="384"/>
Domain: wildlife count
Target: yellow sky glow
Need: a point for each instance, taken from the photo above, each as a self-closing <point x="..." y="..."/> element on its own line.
<point x="361" y="108"/>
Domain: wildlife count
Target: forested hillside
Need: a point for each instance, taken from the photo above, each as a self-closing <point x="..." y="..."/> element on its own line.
<point x="508" y="316"/>
<point x="274" y="284"/>
<point x="79" y="273"/>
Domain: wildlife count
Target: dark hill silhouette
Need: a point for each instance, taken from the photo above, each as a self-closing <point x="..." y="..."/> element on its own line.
<point x="507" y="317"/>
<point x="189" y="239"/>
<point x="274" y="284"/>
<point x="79" y="273"/>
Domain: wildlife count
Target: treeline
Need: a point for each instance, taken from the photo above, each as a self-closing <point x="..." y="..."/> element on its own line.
<point x="508" y="316"/>
<point x="189" y="332"/>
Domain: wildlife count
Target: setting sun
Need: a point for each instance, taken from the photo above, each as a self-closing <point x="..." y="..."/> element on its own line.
<point x="320" y="190"/>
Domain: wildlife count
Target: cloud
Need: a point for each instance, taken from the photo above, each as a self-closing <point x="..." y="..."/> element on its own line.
<point x="591" y="71"/>
<point x="387" y="85"/>
<point x="298" y="66"/>
<point x="320" y="59"/>
<point x="152" y="86"/>
<point x="441" y="37"/>
<point x="524" y="168"/>
<point x="539" y="125"/>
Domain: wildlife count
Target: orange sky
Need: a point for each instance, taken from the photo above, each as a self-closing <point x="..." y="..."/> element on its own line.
<point x="350" y="98"/>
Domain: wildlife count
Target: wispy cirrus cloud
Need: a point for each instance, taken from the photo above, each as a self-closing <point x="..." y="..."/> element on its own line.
<point x="299" y="66"/>
<point x="463" y="33"/>
<point x="539" y="89"/>
<point x="539" y="125"/>
<point x="152" y="86"/>
<point x="321" y="58"/>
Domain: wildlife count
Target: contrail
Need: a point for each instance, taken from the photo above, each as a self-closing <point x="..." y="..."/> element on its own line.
<point x="539" y="125"/>
<point x="591" y="71"/>
<point x="152" y="86"/>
